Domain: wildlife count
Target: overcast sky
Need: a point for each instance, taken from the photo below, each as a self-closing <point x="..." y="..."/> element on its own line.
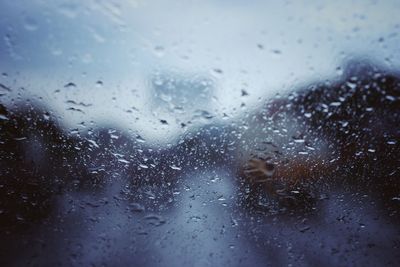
<point x="220" y="47"/>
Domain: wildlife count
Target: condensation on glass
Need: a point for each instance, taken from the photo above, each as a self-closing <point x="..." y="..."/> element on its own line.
<point x="199" y="133"/>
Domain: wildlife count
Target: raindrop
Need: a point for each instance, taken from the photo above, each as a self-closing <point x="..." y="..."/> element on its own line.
<point x="20" y="218"/>
<point x="123" y="161"/>
<point x="46" y="116"/>
<point x="99" y="84"/>
<point x="298" y="140"/>
<point x="351" y="85"/>
<point x="3" y="117"/>
<point x="77" y="110"/>
<point x="136" y="207"/>
<point x="154" y="219"/>
<point x="78" y="104"/>
<point x="143" y="166"/>
<point x="335" y="104"/>
<point x="30" y="24"/>
<point x="20" y="138"/>
<point x="4" y="88"/>
<point x="159" y="51"/>
<point x="310" y="148"/>
<point x="390" y="98"/>
<point x="93" y="143"/>
<point x="140" y="139"/>
<point x="276" y="51"/>
<point x="174" y="167"/>
<point x="339" y="71"/>
<point x="234" y="222"/>
<point x="202" y="114"/>
<point x="217" y="71"/>
<point x="70" y="85"/>
<point x="304" y="229"/>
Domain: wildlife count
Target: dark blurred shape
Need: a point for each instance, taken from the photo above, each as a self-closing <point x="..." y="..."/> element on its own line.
<point x="358" y="117"/>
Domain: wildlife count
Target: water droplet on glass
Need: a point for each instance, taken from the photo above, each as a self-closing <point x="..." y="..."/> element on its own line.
<point x="99" y="84"/>
<point x="46" y="116"/>
<point x="143" y="166"/>
<point x="298" y="140"/>
<point x="276" y="51"/>
<point x="174" y="167"/>
<point x="140" y="139"/>
<point x="154" y="219"/>
<point x="217" y="71"/>
<point x="335" y="104"/>
<point x="123" y="161"/>
<point x="304" y="229"/>
<point x="70" y="85"/>
<point x="4" y="88"/>
<point x="3" y="117"/>
<point x="159" y="51"/>
<point x="93" y="143"/>
<point x="390" y="98"/>
<point x="136" y="207"/>
<point x="30" y="24"/>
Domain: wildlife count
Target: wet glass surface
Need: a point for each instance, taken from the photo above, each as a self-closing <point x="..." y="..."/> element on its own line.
<point x="199" y="133"/>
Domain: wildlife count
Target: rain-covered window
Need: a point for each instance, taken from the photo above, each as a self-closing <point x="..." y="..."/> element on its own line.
<point x="199" y="133"/>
